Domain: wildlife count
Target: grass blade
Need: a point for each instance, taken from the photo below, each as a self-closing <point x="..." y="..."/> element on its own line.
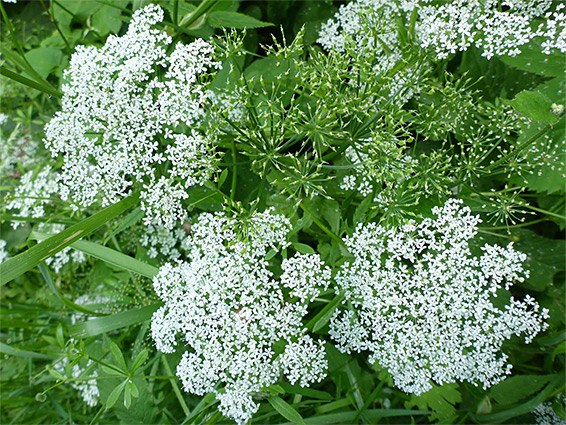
<point x="115" y="321"/>
<point x="27" y="260"/>
<point x="109" y="256"/>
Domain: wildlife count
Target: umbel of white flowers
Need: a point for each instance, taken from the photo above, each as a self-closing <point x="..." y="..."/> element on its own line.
<point x="495" y="27"/>
<point x="425" y="307"/>
<point x="227" y="309"/>
<point x="128" y="118"/>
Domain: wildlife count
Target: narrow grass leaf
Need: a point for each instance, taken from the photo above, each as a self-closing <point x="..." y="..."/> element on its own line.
<point x="307" y="392"/>
<point x="109" y="256"/>
<point x="29" y="259"/>
<point x="110" y="323"/>
<point x="9" y="350"/>
<point x="324" y="315"/>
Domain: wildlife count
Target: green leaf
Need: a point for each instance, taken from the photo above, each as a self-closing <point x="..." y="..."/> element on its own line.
<point x="221" y="18"/>
<point x="110" y="323"/>
<point x="44" y="60"/>
<point x="440" y="399"/>
<point x="27" y="260"/>
<point x="524" y="408"/>
<point x="108" y="255"/>
<point x="140" y="359"/>
<point x="222" y="177"/>
<point x="115" y="394"/>
<point x="7" y="349"/>
<point x="302" y="248"/>
<point x="286" y="410"/>
<point x="533" y="60"/>
<point x="324" y="315"/>
<point x="30" y="83"/>
<point x="545" y="257"/>
<point x="133" y="389"/>
<point x="534" y="105"/>
<point x="118" y="356"/>
<point x="516" y="388"/>
<point x="112" y="371"/>
<point x="106" y="20"/>
<point x="307" y="392"/>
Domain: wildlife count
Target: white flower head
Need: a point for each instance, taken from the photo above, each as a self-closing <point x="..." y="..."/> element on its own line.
<point x="128" y="119"/>
<point x="227" y="309"/>
<point x="423" y="303"/>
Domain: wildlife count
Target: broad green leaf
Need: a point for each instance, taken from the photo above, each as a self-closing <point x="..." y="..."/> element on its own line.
<point x="286" y="410"/>
<point x="221" y="18"/>
<point x="523" y="408"/>
<point x="302" y="248"/>
<point x="106" y="20"/>
<point x="533" y="60"/>
<point x="516" y="388"/>
<point x="534" y="105"/>
<point x="110" y="323"/>
<point x="27" y="260"/>
<point x="545" y="257"/>
<point x="44" y="60"/>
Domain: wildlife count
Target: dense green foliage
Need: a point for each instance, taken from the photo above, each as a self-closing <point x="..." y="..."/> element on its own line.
<point x="488" y="132"/>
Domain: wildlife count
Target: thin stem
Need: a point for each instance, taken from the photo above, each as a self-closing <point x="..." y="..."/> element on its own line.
<point x="176" y="388"/>
<point x="234" y="172"/>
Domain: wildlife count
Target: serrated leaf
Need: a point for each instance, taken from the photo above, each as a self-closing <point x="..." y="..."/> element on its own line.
<point x="286" y="410"/>
<point x="519" y="387"/>
<point x="221" y="19"/>
<point x="440" y="399"/>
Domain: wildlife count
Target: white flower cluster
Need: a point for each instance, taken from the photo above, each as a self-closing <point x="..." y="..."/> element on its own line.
<point x="242" y="328"/>
<point x="456" y="26"/>
<point x="368" y="29"/>
<point x="545" y="414"/>
<point x="128" y="116"/>
<point x="33" y="194"/>
<point x="88" y="389"/>
<point x="495" y="27"/>
<point x="160" y="240"/>
<point x="61" y="258"/>
<point x="423" y="304"/>
<point x="4" y="255"/>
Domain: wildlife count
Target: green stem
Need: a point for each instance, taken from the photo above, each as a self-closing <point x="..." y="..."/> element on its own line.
<point x="234" y="172"/>
<point x="176" y="388"/>
<point x="561" y="217"/>
<point x="325" y="229"/>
